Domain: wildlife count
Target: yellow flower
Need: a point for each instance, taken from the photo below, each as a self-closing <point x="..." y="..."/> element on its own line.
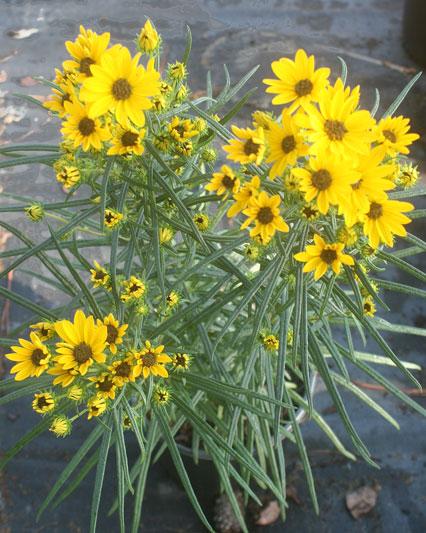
<point x="369" y="307"/>
<point x="32" y="358"/>
<point x="82" y="130"/>
<point x="68" y="176"/>
<point x="264" y="211"/>
<point x="338" y="127"/>
<point x="162" y="142"/>
<point x="99" y="276"/>
<point x="105" y="387"/>
<point x="112" y="218"/>
<point x="120" y="85"/>
<point x="56" y="101"/>
<point x="35" y="212"/>
<point x="61" y="426"/>
<point x="184" y="148"/>
<point x="248" y="148"/>
<point x="181" y="129"/>
<point x="327" y="180"/>
<point x="148" y="39"/>
<point x="209" y="155"/>
<point x="252" y="252"/>
<point x="224" y="182"/>
<point x="172" y="299"/>
<point x="83" y="342"/>
<point x="201" y="221"/>
<point x="165" y="88"/>
<point x="393" y="133"/>
<point x="407" y="176"/>
<point x="95" y="407"/>
<point x="158" y="103"/>
<point x="181" y="361"/>
<point x="242" y="196"/>
<point x="285" y="144"/>
<point x="124" y="370"/>
<point x="65" y="77"/>
<point x="165" y="235"/>
<point x="261" y="119"/>
<point x="298" y="82"/>
<point x="44" y="330"/>
<point x="43" y="403"/>
<point x="133" y="289"/>
<point x="291" y="182"/>
<point x="75" y="393"/>
<point x="348" y="236"/>
<point x="127" y="141"/>
<point x="161" y="395"/>
<point x="115" y="331"/>
<point x="310" y="212"/>
<point x="64" y="377"/>
<point x="151" y="361"/>
<point x="86" y="51"/>
<point x="271" y="343"/>
<point x="177" y="71"/>
<point x="384" y="219"/>
<point x="373" y="182"/>
<point x="321" y="256"/>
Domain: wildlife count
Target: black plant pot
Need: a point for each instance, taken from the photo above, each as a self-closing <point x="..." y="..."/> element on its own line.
<point x="414" y="30"/>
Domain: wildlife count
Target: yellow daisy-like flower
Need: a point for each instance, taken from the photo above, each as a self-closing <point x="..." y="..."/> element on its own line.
<point x="261" y="119"/>
<point x="185" y="148"/>
<point x="61" y="426"/>
<point x="122" y="86"/>
<point x="202" y="221"/>
<point x="165" y="235"/>
<point x="86" y="51"/>
<point x="264" y="211"/>
<point x="392" y="132"/>
<point x="181" y="129"/>
<point x="83" y="130"/>
<point x="64" y="377"/>
<point x="43" y="402"/>
<point x="95" y="407"/>
<point x="310" y="212"/>
<point x="285" y="144"/>
<point x="224" y="182"/>
<point x="64" y="77"/>
<point x="151" y="361"/>
<point x="374" y="180"/>
<point x="338" y="127"/>
<point x="32" y="358"/>
<point x="68" y="176"/>
<point x="75" y="393"/>
<point x="181" y="361"/>
<point x="172" y="299"/>
<point x="369" y="307"/>
<point x="407" y="176"/>
<point x="349" y="236"/>
<point x="248" y="148"/>
<point x="127" y="141"/>
<point x="133" y="289"/>
<point x="112" y="218"/>
<point x="115" y="331"/>
<point x="161" y="395"/>
<point x="105" y="387"/>
<point x="298" y="83"/>
<point x="271" y="343"/>
<point x="35" y="212"/>
<point x="242" y="196"/>
<point x="124" y="370"/>
<point x="384" y="219"/>
<point x="291" y="182"/>
<point x="44" y="330"/>
<point x="99" y="276"/>
<point x="322" y="256"/>
<point x="148" y="39"/>
<point x="83" y="342"/>
<point x="56" y="101"/>
<point x="327" y="180"/>
<point x="177" y="71"/>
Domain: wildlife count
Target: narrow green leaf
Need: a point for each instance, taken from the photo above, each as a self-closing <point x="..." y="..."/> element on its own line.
<point x="99" y="479"/>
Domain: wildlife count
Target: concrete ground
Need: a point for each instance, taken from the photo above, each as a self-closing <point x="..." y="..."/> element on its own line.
<point x="241" y="34"/>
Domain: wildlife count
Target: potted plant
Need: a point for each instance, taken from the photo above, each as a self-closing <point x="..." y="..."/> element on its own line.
<point x="185" y="292"/>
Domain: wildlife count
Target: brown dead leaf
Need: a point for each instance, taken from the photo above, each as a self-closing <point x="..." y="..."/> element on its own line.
<point x="291" y="492"/>
<point x="268" y="514"/>
<point x="362" y="500"/>
<point x="27" y="81"/>
<point x="3" y="76"/>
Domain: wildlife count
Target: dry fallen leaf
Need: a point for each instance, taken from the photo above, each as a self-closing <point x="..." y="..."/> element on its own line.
<point x="28" y="81"/>
<point x="24" y="33"/>
<point x="361" y="501"/>
<point x="268" y="514"/>
<point x="3" y="76"/>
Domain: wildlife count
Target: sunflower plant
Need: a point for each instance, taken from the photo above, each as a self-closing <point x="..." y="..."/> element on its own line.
<point x="207" y="295"/>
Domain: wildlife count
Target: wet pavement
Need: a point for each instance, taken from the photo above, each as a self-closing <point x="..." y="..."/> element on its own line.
<point x="241" y="34"/>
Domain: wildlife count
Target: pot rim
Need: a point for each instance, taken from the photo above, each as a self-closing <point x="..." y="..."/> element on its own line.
<point x="300" y="416"/>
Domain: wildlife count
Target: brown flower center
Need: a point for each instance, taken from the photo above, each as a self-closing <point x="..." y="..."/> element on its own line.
<point x="85" y="65"/>
<point x="180" y="360"/>
<point x="112" y="334"/>
<point x="376" y="211"/>
<point x="328" y="256"/>
<point x="42" y="402"/>
<point x="134" y="288"/>
<point x="123" y="370"/>
<point x="99" y="275"/>
<point x="389" y="135"/>
<point x="321" y="179"/>
<point x="288" y="144"/>
<point x="265" y="215"/>
<point x="129" y="138"/>
<point x="335" y="129"/>
<point x="303" y="87"/>
<point x="309" y="212"/>
<point x="121" y="89"/>
<point x="86" y="126"/>
<point x="228" y="182"/>
<point x="105" y="385"/>
<point x="149" y="359"/>
<point x="367" y="307"/>
<point x="37" y="356"/>
<point x="82" y="353"/>
<point x="250" y="147"/>
<point x="109" y="217"/>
